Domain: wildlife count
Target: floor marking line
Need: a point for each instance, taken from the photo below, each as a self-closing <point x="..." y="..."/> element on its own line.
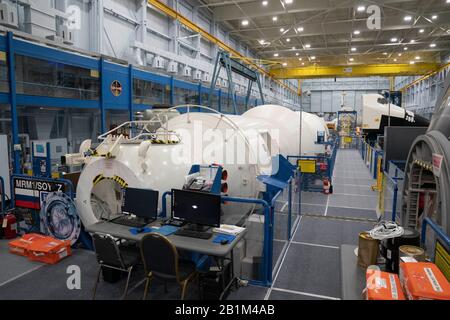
<point x="282" y="261"/>
<point x="355" y="195"/>
<point x="21" y="275"/>
<point x="315" y="245"/>
<point x="306" y="294"/>
<point x="333" y="206"/>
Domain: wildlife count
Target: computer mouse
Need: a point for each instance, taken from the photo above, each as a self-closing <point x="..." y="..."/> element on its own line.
<point x="224" y="242"/>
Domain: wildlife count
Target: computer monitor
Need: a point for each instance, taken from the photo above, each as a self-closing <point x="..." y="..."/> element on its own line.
<point x="143" y="203"/>
<point x="195" y="207"/>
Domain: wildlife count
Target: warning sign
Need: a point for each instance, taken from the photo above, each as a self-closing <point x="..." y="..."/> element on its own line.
<point x="437" y="163"/>
<point x="442" y="260"/>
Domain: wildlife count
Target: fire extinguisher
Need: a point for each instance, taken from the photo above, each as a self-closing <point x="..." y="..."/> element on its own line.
<point x="326" y="186"/>
<point x="9" y="226"/>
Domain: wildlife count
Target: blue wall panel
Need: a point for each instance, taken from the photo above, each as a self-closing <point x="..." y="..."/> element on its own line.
<point x="111" y="74"/>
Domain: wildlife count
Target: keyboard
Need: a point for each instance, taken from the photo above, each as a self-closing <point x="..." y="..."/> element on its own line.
<point x="129" y="222"/>
<point x="194" y="234"/>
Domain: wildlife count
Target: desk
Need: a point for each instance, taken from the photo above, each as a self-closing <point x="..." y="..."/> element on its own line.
<point x="203" y="246"/>
<point x="183" y="243"/>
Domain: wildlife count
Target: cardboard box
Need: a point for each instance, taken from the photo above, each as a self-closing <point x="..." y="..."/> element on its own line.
<point x="383" y="286"/>
<point x="423" y="281"/>
<point x="20" y="246"/>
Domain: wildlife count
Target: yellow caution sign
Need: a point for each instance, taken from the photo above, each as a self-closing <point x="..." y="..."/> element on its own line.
<point x="442" y="260"/>
<point x="307" y="166"/>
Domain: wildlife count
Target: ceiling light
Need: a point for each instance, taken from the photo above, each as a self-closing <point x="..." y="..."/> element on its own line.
<point x="353" y="49"/>
<point x="351" y="59"/>
<point x="261" y="41"/>
<point x="307" y="45"/>
<point x="284" y="64"/>
<point x="293" y="48"/>
<point x="395" y="60"/>
<point x="448" y="1"/>
<point x="313" y="57"/>
<point x="394" y="39"/>
<point x="417" y="58"/>
<point x="281" y="29"/>
<point x="288" y="1"/>
<point x="405" y="48"/>
<point x="245" y="22"/>
<point x="275" y="54"/>
<point x="361" y="9"/>
<point x="298" y="54"/>
<point x="274" y="18"/>
<point x="300" y="59"/>
<point x="303" y="63"/>
<point x="300" y="29"/>
<point x="265" y="3"/>
<point x="432" y="45"/>
<point x="356" y="32"/>
<point x="385" y="53"/>
<point x="407" y="18"/>
<point x="399" y="54"/>
<point x="412" y="41"/>
<point x="421" y="31"/>
<point x="288" y="40"/>
<point x="434" y="17"/>
<point x="412" y="62"/>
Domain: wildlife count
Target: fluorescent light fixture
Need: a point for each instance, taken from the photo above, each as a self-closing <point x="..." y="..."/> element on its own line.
<point x="288" y="40"/>
<point x="385" y="53"/>
<point x="300" y="59"/>
<point x="307" y="45"/>
<point x="434" y="17"/>
<point x="303" y="63"/>
<point x="394" y="39"/>
<point x="297" y="54"/>
<point x="265" y="3"/>
<point x="261" y="41"/>
<point x="361" y="9"/>
<point x="395" y="60"/>
<point x="399" y="54"/>
<point x="293" y="48"/>
<point x="284" y="64"/>
<point x="313" y="57"/>
<point x="245" y="22"/>
<point x="300" y="29"/>
<point x="281" y="29"/>
<point x="421" y="31"/>
<point x="432" y="45"/>
<point x="412" y="41"/>
<point x="351" y="59"/>
<point x="274" y="18"/>
<point x="407" y="18"/>
<point x="353" y="49"/>
<point x="275" y="54"/>
<point x="417" y="58"/>
<point x="288" y="1"/>
<point x="405" y="48"/>
<point x="412" y="62"/>
<point x="356" y="32"/>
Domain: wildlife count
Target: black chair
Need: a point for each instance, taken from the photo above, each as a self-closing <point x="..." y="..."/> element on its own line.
<point x="161" y="260"/>
<point x="110" y="255"/>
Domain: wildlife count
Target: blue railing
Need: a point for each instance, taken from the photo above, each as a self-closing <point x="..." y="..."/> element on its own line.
<point x="439" y="232"/>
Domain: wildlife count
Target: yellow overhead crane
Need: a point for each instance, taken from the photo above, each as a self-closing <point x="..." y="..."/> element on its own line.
<point x="194" y="27"/>
<point x="355" y="71"/>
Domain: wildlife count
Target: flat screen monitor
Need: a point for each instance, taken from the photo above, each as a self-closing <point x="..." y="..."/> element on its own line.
<point x="196" y="207"/>
<point x="142" y="203"/>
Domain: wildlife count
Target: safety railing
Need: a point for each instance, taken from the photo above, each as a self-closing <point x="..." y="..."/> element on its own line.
<point x="427" y="222"/>
<point x="315" y="169"/>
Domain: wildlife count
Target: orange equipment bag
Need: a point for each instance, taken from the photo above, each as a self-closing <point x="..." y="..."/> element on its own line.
<point x="383" y="286"/>
<point x="20" y="246"/>
<point x="41" y="248"/>
<point x="424" y="281"/>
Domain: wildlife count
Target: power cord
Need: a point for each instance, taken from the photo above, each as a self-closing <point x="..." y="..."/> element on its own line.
<point x="386" y="230"/>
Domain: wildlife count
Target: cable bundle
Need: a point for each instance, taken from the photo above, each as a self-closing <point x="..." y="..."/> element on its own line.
<point x="386" y="230"/>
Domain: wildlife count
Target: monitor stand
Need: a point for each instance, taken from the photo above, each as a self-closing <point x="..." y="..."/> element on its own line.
<point x="196" y="227"/>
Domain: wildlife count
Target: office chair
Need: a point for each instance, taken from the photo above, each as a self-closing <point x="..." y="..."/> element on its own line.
<point x="109" y="255"/>
<point x="161" y="260"/>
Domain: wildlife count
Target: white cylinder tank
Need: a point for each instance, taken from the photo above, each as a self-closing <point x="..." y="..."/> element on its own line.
<point x="243" y="145"/>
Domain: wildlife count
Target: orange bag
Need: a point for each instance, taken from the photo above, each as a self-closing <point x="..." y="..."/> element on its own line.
<point x="41" y="248"/>
<point x="20" y="246"/>
<point x="383" y="286"/>
<point x="424" y="281"/>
